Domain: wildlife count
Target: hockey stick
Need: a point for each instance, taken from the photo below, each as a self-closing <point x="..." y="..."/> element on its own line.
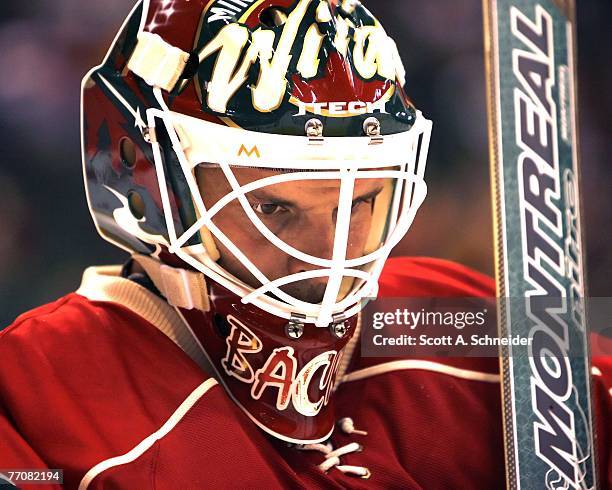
<point x="531" y="95"/>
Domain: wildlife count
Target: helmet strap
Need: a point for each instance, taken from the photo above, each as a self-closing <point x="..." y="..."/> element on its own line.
<point x="182" y="288"/>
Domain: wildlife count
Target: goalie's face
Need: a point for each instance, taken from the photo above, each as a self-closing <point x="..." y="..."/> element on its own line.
<point x="303" y="214"/>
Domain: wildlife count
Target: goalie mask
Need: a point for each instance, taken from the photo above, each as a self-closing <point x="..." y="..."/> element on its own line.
<point x="260" y="159"/>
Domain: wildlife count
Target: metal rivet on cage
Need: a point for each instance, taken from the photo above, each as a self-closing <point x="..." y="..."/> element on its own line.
<point x="314" y="128"/>
<point x="371" y="126"/>
<point x="339" y="327"/>
<point x="295" y="328"/>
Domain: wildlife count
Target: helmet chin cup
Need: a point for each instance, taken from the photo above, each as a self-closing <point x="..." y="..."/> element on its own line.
<point x="282" y="375"/>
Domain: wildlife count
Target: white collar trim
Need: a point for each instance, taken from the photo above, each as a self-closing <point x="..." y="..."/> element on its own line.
<point x="105" y="284"/>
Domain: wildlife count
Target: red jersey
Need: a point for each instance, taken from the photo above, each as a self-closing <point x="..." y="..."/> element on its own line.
<point x="107" y="385"/>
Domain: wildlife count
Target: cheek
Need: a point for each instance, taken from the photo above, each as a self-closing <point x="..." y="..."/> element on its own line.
<point x="239" y="229"/>
<point x="233" y="222"/>
<point x="361" y="224"/>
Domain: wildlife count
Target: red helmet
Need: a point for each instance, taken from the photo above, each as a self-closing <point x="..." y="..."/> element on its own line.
<point x="200" y="107"/>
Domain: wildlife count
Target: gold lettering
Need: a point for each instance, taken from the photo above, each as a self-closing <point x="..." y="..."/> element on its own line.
<point x="249" y="153"/>
<point x="272" y="85"/>
<point x="226" y="80"/>
<point x="308" y="65"/>
<point x="230" y="73"/>
<point x="378" y="58"/>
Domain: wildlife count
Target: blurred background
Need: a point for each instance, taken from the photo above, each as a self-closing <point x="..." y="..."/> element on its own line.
<point x="47" y="237"/>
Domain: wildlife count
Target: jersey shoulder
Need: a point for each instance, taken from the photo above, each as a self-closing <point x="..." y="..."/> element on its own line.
<point x="423" y="276"/>
<point x="76" y="322"/>
<point x="92" y="367"/>
<point x="75" y="340"/>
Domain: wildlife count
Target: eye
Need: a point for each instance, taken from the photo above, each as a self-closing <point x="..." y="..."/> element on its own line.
<point x="360" y="202"/>
<point x="268" y="209"/>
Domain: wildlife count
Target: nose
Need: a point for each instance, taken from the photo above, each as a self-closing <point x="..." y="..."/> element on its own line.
<point x="316" y="239"/>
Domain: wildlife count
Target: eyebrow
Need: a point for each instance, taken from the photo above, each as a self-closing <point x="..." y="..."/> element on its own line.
<point x="262" y="194"/>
